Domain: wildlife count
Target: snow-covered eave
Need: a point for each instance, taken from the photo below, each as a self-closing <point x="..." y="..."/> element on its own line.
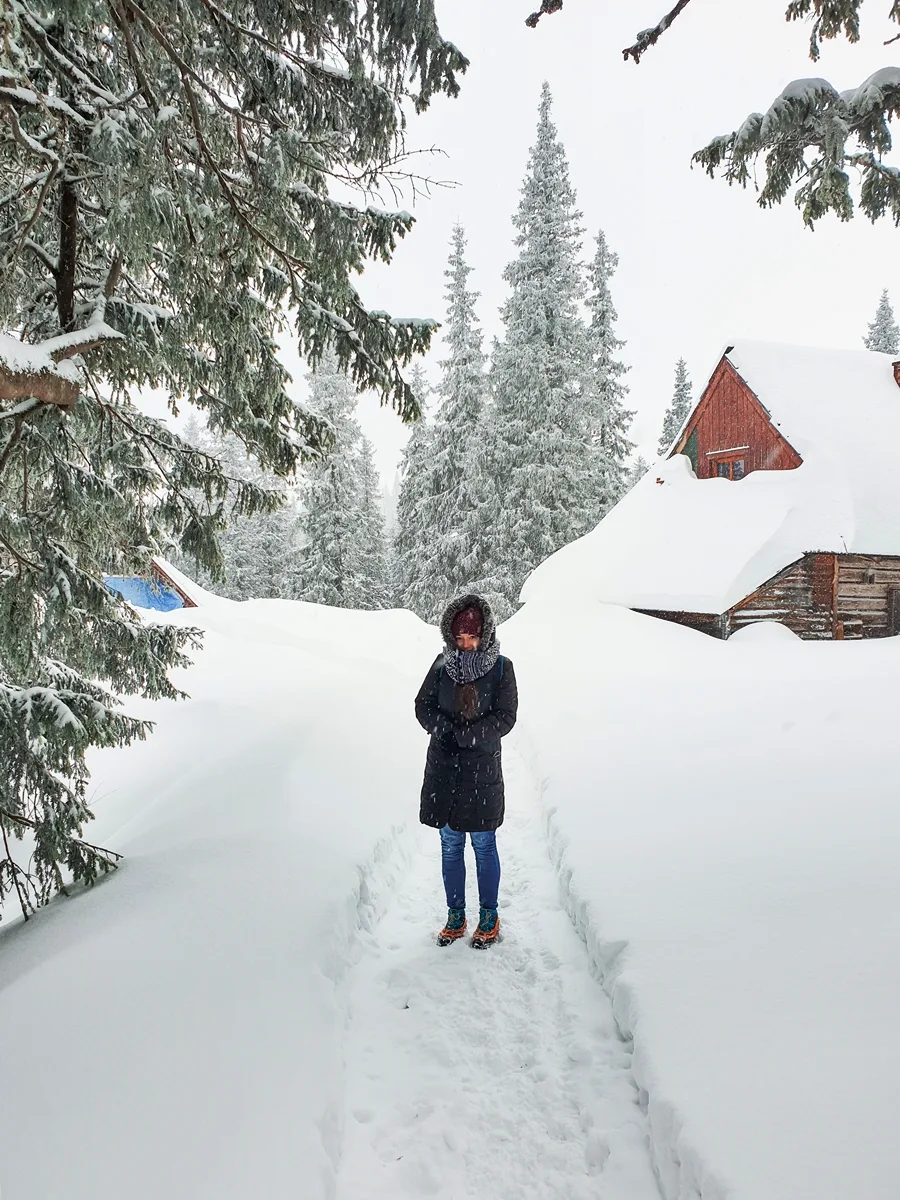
<point x="177" y="581"/>
<point x="707" y="606"/>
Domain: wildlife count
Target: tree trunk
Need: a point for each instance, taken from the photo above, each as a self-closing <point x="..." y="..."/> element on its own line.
<point x="68" y="252"/>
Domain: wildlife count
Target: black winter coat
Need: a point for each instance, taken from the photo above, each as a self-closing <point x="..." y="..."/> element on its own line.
<point x="463" y="785"/>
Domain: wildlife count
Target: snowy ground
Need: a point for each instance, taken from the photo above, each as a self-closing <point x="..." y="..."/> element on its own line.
<point x="493" y="1075"/>
<point x="702" y="839"/>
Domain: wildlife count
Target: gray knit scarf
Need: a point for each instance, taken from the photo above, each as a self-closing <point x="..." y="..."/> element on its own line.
<point x="465" y="666"/>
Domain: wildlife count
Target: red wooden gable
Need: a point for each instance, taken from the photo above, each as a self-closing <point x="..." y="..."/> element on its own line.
<point x="730" y="433"/>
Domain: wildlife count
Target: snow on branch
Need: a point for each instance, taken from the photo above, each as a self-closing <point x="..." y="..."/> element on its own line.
<point x="44" y="373"/>
<point x="649" y="37"/>
<point x="809" y="136"/>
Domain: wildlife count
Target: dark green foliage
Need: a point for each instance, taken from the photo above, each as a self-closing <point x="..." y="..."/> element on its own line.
<point x="818" y="139"/>
<point x="176" y="177"/>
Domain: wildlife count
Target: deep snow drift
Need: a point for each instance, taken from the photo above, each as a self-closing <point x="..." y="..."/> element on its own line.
<point x="176" y="1031"/>
<point x="725" y="821"/>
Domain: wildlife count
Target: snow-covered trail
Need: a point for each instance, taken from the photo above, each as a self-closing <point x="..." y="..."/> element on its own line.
<point x="487" y="1074"/>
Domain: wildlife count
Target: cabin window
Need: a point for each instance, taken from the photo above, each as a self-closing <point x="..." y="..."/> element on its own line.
<point x="727" y="468"/>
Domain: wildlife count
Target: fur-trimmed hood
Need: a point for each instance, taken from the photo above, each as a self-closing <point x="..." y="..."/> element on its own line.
<point x="489" y="630"/>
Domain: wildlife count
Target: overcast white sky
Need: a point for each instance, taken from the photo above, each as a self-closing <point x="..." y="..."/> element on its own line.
<point x="700" y="263"/>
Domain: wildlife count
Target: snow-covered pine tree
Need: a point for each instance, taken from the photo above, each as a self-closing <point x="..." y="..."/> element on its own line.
<point x="329" y="522"/>
<point x="413" y="547"/>
<point x="371" y="583"/>
<point x="260" y="551"/>
<point x="636" y="472"/>
<point x="679" y="407"/>
<point x="533" y="474"/>
<point x="453" y="562"/>
<point x="390" y="496"/>
<point x="604" y="392"/>
<point x="166" y="208"/>
<point x="884" y="334"/>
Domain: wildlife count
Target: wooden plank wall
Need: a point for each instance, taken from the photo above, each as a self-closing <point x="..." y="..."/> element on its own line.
<point x="864" y="587"/>
<point x="709" y="623"/>
<point x="729" y="415"/>
<point x="800" y="597"/>
<point x="818" y="597"/>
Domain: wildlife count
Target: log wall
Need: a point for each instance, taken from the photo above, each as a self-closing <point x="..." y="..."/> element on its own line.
<point x="819" y="597"/>
<point x="868" y="595"/>
<point x="800" y="597"/>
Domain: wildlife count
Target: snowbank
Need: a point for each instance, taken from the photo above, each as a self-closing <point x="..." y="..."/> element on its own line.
<point x="176" y="1031"/>
<point x="680" y="543"/>
<point x="724" y="818"/>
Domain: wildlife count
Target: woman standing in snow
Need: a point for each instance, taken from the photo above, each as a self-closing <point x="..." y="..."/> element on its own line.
<point x="467" y="703"/>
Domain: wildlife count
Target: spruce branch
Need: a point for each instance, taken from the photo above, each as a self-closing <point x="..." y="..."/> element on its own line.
<point x="14" y="438"/>
<point x="49" y="180"/>
<point x="14" y="871"/>
<point x="547" y="7"/>
<point x="649" y="37"/>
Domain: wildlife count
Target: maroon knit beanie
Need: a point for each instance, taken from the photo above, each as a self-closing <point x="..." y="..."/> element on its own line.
<point x="470" y="621"/>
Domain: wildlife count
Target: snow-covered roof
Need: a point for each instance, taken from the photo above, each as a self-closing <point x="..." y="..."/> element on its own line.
<point x="196" y="594"/>
<point x="701" y="545"/>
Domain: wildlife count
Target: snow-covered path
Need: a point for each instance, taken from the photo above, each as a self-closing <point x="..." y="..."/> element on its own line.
<point x="487" y="1075"/>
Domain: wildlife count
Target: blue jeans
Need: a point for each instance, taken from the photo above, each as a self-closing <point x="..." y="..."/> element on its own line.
<point x="453" y="866"/>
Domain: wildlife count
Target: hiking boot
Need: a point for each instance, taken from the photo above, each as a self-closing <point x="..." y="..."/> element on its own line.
<point x="455" y="927"/>
<point x="488" y="930"/>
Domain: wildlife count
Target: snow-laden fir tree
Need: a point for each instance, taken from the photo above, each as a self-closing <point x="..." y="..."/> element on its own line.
<point x="372" y="576"/>
<point x="679" y="407"/>
<point x="260" y="551"/>
<point x="607" y="418"/>
<point x="884" y="334"/>
<point x="389" y="496"/>
<point x="343" y="558"/>
<point x="636" y="472"/>
<point x="534" y="473"/>
<point x="413" y="545"/>
<point x="329" y="523"/>
<point x="167" y="207"/>
<point x="452" y="564"/>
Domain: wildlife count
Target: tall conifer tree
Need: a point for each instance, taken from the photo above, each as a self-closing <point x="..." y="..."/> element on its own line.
<point x="607" y="418"/>
<point x="636" y="472"/>
<point x="456" y="437"/>
<point x="679" y="407"/>
<point x="532" y="478"/>
<point x="260" y="552"/>
<point x="330" y="567"/>
<point x="372" y="582"/>
<point x="883" y="335"/>
<point x="413" y="550"/>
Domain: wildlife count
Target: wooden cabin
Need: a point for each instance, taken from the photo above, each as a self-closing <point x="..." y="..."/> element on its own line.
<point x="163" y="588"/>
<point x="778" y="501"/>
<point x="731" y="433"/>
